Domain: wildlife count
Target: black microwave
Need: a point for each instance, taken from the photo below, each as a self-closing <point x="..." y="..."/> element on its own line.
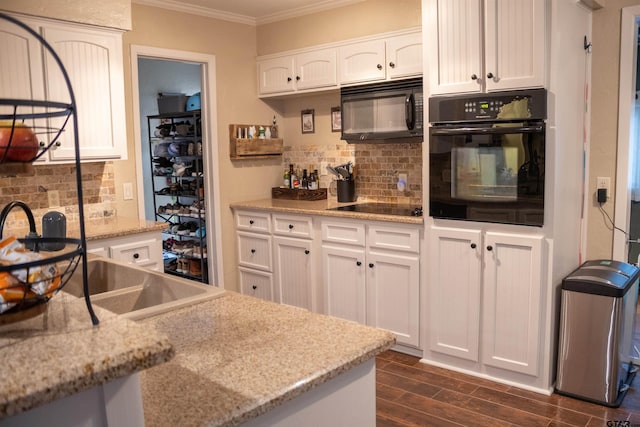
<point x="383" y="112"/>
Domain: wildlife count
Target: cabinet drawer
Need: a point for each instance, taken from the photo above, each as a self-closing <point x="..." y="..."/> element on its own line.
<point x="253" y="221"/>
<point x="254" y="250"/>
<point x="256" y="283"/>
<point x="396" y="238"/>
<point x="292" y="225"/>
<point x="142" y="253"/>
<point x="345" y="232"/>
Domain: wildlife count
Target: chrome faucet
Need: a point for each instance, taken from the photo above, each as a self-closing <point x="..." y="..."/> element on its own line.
<point x="32" y="223"/>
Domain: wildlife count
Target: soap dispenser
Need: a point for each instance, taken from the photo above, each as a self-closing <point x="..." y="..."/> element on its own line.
<point x="54" y="225"/>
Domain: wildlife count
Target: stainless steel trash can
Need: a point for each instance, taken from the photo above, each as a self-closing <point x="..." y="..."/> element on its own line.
<point x="597" y="321"/>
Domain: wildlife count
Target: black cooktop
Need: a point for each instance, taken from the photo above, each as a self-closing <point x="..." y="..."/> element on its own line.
<point x="382" y="208"/>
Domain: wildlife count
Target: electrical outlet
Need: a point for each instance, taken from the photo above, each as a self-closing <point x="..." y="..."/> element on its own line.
<point x="603" y="182"/>
<point x="54" y="198"/>
<point x="323" y="168"/>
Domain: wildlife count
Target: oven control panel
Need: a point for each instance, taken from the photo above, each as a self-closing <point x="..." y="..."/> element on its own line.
<point x="483" y="108"/>
<point x="528" y="104"/>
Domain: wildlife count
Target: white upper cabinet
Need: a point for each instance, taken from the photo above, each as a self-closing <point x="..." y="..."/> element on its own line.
<point x="380" y="57"/>
<point x="390" y="58"/>
<point x="404" y="56"/>
<point x="20" y="65"/>
<point x="93" y="61"/>
<point x="316" y="69"/>
<point x="362" y="62"/>
<point x="496" y="47"/>
<point x="290" y="73"/>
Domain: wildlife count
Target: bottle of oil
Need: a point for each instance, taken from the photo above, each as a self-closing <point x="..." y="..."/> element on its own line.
<point x="286" y="179"/>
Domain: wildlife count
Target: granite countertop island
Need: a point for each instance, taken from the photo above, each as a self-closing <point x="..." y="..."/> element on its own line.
<point x="57" y="352"/>
<point x="321" y="207"/>
<point x="238" y="357"/>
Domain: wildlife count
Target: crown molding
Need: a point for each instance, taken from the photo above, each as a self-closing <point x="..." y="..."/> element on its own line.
<point x="245" y="19"/>
<point x="199" y="10"/>
<point x="305" y="10"/>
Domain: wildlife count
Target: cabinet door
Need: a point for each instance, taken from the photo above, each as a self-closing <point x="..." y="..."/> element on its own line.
<point x="316" y="69"/>
<point x="362" y="62"/>
<point x="514" y="47"/>
<point x="455" y="46"/>
<point x="254" y="251"/>
<point x="256" y="283"/>
<point x="454" y="291"/>
<point x="144" y="253"/>
<point x="93" y="60"/>
<point x="276" y="75"/>
<point x="393" y="294"/>
<point x="404" y="56"/>
<point x="343" y="271"/>
<point x="20" y="65"/>
<point x="293" y="271"/>
<point x="512" y="301"/>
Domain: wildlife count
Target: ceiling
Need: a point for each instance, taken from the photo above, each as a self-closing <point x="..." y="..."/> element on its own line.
<point x="252" y="12"/>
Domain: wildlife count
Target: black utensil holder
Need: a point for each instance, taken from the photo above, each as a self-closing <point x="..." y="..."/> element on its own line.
<point x="346" y="190"/>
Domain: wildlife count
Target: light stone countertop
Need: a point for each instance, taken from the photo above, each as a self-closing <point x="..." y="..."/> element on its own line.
<point x="237" y="357"/>
<point x="116" y="226"/>
<point x="98" y="228"/>
<point x="320" y="207"/>
<point x="59" y="352"/>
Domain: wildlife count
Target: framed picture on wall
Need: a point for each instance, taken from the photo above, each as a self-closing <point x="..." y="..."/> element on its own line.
<point x="336" y="119"/>
<point x="307" y="120"/>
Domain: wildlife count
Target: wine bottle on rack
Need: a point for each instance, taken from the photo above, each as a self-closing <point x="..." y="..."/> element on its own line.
<point x="313" y="181"/>
<point x="305" y="180"/>
<point x="292" y="176"/>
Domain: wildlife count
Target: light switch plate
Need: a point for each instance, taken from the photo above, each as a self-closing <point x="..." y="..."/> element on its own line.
<point x="127" y="190"/>
<point x="53" y="198"/>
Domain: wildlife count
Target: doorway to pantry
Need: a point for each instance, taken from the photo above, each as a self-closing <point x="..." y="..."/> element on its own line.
<point x="155" y="70"/>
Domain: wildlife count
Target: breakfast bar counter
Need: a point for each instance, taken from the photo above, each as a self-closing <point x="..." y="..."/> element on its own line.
<point x="239" y="357"/>
<point x="53" y="351"/>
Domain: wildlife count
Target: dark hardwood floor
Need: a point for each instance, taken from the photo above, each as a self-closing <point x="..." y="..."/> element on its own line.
<point x="410" y="393"/>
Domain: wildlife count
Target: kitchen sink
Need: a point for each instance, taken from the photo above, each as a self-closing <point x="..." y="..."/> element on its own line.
<point x="135" y="292"/>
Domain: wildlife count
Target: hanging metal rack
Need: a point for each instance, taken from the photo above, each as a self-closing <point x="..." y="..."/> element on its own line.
<point x="75" y="250"/>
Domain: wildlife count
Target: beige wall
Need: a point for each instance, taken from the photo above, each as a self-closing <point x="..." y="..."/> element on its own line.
<point x="357" y="20"/>
<point x="106" y="13"/>
<point x="234" y="47"/>
<point x="604" y="121"/>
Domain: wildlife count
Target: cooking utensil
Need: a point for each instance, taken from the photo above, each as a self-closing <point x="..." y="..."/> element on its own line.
<point x="333" y="171"/>
<point x="344" y="172"/>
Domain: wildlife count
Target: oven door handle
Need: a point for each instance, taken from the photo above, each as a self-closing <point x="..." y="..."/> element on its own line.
<point x="503" y="130"/>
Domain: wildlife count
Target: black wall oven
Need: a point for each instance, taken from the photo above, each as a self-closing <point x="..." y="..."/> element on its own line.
<point x="487" y="157"/>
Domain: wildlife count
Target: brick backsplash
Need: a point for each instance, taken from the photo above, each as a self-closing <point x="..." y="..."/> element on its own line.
<point x="98" y="189"/>
<point x="377" y="168"/>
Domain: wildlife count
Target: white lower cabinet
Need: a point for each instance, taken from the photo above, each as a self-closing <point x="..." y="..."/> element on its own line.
<point x="485" y="295"/>
<point x="364" y="271"/>
<point x="371" y="274"/>
<point x="141" y="249"/>
<point x="256" y="283"/>
<point x="293" y="271"/>
<point x="343" y="278"/>
<point x="275" y="257"/>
